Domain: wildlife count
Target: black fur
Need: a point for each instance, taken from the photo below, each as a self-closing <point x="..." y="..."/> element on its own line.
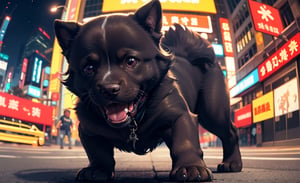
<point x="137" y="90"/>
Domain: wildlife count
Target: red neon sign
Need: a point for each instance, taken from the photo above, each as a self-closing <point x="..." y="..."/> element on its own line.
<point x="24" y="65"/>
<point x="198" y="23"/>
<point x="243" y="116"/>
<point x="23" y="109"/>
<point x="282" y="56"/>
<point x="227" y="42"/>
<point x="265" y="18"/>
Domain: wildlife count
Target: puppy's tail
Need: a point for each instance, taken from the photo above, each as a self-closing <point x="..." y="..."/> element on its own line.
<point x="185" y="43"/>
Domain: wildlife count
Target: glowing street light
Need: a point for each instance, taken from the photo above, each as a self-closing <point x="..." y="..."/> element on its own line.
<point x="55" y="8"/>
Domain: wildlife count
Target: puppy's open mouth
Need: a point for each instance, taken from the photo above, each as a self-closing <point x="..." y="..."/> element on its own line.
<point x="120" y="114"/>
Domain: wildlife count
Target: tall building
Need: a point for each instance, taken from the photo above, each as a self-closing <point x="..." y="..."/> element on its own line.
<point x="266" y="45"/>
<point x="38" y="42"/>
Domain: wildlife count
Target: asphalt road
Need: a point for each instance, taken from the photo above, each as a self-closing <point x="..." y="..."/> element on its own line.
<point x="27" y="164"/>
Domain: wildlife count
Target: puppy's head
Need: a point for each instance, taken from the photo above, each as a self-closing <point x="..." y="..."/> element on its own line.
<point x="115" y="60"/>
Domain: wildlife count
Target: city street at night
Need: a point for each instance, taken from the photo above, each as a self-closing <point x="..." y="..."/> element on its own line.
<point x="24" y="163"/>
<point x="108" y="77"/>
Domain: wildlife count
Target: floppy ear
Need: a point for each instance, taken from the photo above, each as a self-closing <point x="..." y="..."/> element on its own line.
<point x="149" y="17"/>
<point x="65" y="33"/>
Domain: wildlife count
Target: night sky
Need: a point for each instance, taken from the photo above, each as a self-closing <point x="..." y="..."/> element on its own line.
<point x="26" y="17"/>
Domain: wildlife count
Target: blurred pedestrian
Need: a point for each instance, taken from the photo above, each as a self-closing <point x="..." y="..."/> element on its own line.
<point x="65" y="124"/>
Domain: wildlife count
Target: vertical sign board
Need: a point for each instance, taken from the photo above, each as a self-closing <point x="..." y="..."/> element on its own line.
<point x="286" y="98"/>
<point x="263" y="108"/>
<point x="282" y="56"/>
<point x="243" y="116"/>
<point x="4" y="27"/>
<point x="57" y="58"/>
<point x="228" y="51"/>
<point x="265" y="18"/>
<point x="226" y="36"/>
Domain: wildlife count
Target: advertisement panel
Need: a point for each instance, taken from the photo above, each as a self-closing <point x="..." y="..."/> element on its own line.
<point x="3" y="65"/>
<point x="265" y="18"/>
<point x="227" y="41"/>
<point x="263" y="107"/>
<point x="218" y="49"/>
<point x="198" y="23"/>
<point x="243" y="116"/>
<point x="286" y="98"/>
<point x="204" y="6"/>
<point x="282" y="56"/>
<point x="245" y="83"/>
<point x="19" y="108"/>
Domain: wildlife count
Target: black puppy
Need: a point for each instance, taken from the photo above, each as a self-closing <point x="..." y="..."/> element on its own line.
<point x="137" y="90"/>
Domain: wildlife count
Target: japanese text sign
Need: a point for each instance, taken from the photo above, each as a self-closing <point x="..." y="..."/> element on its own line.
<point x="19" y="108"/>
<point x="286" y="98"/>
<point x="196" y="23"/>
<point x="243" y="116"/>
<point x="227" y="41"/>
<point x="263" y="107"/>
<point x="265" y="18"/>
<point x="282" y="56"/>
<point x="205" y="6"/>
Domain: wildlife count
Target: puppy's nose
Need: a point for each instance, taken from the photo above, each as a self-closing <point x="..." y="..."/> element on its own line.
<point x="111" y="89"/>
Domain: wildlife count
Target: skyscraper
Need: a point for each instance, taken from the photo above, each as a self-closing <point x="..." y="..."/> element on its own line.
<point x="39" y="43"/>
<point x="39" y="40"/>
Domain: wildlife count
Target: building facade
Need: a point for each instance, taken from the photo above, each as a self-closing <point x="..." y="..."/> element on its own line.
<point x="267" y="70"/>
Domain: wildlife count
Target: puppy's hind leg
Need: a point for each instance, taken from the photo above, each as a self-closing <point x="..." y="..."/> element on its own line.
<point x="214" y="115"/>
<point x="100" y="154"/>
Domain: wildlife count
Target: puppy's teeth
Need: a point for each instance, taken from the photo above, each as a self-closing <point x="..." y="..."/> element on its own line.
<point x="126" y="110"/>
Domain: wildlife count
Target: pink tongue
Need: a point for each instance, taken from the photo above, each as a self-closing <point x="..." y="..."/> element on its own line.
<point x="116" y="112"/>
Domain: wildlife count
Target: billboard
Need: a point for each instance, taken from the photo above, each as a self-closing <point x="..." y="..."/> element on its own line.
<point x="245" y="83"/>
<point x="33" y="91"/>
<point x="286" y="53"/>
<point x="198" y="23"/>
<point x="19" y="108"/>
<point x="265" y="18"/>
<point x="263" y="107"/>
<point x="35" y="64"/>
<point x="286" y="98"/>
<point x="204" y="6"/>
<point x="243" y="116"/>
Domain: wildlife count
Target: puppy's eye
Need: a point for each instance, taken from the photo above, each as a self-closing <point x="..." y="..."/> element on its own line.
<point x="131" y="62"/>
<point x="89" y="70"/>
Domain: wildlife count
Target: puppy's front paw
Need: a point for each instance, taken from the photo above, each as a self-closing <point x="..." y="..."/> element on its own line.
<point x="93" y="174"/>
<point x="192" y="174"/>
<point x="230" y="167"/>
